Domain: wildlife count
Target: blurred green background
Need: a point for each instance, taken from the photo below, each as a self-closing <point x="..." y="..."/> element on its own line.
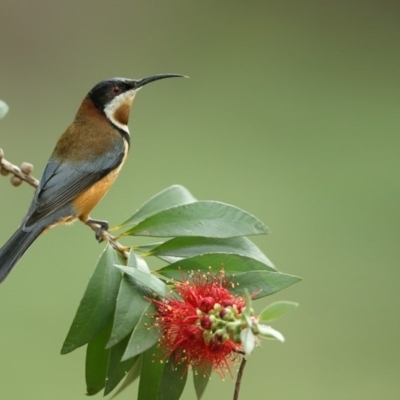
<point x="291" y="113"/>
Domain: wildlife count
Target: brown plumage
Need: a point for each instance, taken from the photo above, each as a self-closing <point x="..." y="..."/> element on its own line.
<point x="82" y="141"/>
<point x="84" y="164"/>
<point x="86" y="201"/>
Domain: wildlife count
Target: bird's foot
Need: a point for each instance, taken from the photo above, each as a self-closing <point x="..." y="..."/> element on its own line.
<point x="100" y="229"/>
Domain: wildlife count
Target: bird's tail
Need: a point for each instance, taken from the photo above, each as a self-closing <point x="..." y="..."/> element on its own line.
<point x="15" y="248"/>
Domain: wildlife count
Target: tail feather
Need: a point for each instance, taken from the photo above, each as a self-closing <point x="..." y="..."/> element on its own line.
<point x="15" y="248"/>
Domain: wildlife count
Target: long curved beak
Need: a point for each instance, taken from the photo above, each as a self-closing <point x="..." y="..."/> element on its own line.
<point x="144" y="81"/>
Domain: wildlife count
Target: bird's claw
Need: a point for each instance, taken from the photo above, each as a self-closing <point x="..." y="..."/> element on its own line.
<point x="100" y="230"/>
<point x="99" y="234"/>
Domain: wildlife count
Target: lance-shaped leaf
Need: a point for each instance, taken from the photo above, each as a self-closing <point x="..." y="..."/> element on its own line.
<point x="136" y="261"/>
<point x="270" y="333"/>
<point x="214" y="262"/>
<point x="202" y="218"/>
<point x="130" y="306"/>
<point x="145" y="334"/>
<point x="132" y="375"/>
<point x="248" y="340"/>
<point x="148" y="247"/>
<point x="151" y="374"/>
<point x="261" y="283"/>
<point x="185" y="247"/>
<point x="201" y="377"/>
<point x="117" y="369"/>
<point x="97" y="362"/>
<point x="146" y="282"/>
<point x="97" y="306"/>
<point x="173" y="196"/>
<point x="276" y="310"/>
<point x="173" y="380"/>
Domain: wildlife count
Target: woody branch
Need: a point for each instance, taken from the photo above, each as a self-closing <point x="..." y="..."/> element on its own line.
<point x="23" y="174"/>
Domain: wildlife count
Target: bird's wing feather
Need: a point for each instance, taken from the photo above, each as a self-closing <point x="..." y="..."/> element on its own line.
<point x="61" y="183"/>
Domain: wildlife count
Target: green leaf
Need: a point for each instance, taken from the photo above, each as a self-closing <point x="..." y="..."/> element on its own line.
<point x="231" y="263"/>
<point x="146" y="280"/>
<point x="151" y="374"/>
<point x="261" y="283"/>
<point x="247" y="310"/>
<point x="3" y="109"/>
<point x="97" y="362"/>
<point x="269" y="333"/>
<point x="145" y="334"/>
<point x="147" y="248"/>
<point x="185" y="247"/>
<point x="173" y="196"/>
<point x="173" y="380"/>
<point x="276" y="310"/>
<point x="132" y="375"/>
<point x="130" y="306"/>
<point x="202" y="218"/>
<point x="248" y="340"/>
<point x="117" y="369"/>
<point x="97" y="306"/>
<point x="201" y="377"/>
<point x="136" y="261"/>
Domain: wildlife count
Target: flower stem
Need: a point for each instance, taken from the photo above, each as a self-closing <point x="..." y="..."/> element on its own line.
<point x="239" y="379"/>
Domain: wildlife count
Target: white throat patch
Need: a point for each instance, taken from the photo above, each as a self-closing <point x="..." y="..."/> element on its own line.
<point x="115" y="104"/>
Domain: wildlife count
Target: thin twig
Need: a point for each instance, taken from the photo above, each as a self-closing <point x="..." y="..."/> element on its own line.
<point x="106" y="236"/>
<point x="13" y="169"/>
<point x="6" y="166"/>
<point x="239" y="379"/>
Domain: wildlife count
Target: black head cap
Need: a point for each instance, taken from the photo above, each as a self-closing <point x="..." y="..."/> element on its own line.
<point x="106" y="91"/>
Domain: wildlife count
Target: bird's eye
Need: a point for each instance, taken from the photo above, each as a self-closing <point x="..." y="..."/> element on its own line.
<point x="116" y="90"/>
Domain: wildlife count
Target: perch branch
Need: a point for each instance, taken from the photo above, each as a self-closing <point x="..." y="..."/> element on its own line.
<point x="23" y="174"/>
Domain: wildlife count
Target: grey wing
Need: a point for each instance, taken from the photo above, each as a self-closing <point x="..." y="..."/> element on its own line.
<point x="62" y="182"/>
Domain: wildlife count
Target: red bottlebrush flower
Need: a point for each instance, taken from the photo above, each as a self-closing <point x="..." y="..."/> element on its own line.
<point x="197" y="327"/>
<point x="203" y="326"/>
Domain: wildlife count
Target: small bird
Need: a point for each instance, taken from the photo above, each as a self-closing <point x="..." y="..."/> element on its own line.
<point x="83" y="166"/>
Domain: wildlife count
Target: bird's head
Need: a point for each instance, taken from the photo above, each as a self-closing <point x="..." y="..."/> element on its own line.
<point x="114" y="97"/>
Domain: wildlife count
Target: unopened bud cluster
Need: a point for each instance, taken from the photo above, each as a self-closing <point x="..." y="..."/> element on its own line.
<point x="221" y="322"/>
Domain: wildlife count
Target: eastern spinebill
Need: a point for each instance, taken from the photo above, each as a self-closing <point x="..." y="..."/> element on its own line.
<point x="84" y="164"/>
